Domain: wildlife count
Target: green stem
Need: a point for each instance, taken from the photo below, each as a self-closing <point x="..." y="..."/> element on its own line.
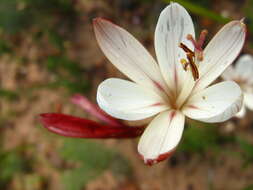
<point x="201" y="11"/>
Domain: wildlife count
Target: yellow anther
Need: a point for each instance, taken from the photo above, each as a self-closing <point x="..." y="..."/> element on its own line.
<point x="184" y="63"/>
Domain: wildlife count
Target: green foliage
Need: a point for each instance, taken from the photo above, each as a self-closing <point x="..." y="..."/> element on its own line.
<point x="4" y="46"/>
<point x="249" y="187"/>
<point x="55" y="39"/>
<point x="200" y="139"/>
<point x="89" y="160"/>
<point x="68" y="74"/>
<point x="120" y="166"/>
<point x="203" y="3"/>
<point x="31" y="181"/>
<point x="247" y="151"/>
<point x="76" y="179"/>
<point x="16" y="15"/>
<point x="63" y="6"/>
<point x="207" y="138"/>
<point x="8" y="94"/>
<point x="48" y="17"/>
<point x="12" y="18"/>
<point x="11" y="163"/>
<point x="248" y="8"/>
<point x="62" y="64"/>
<point x="201" y="11"/>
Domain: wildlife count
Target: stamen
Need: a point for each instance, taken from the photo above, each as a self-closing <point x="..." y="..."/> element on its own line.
<point x="186" y="49"/>
<point x="190" y="38"/>
<point x="194" y="68"/>
<point x="190" y="57"/>
<point x="199" y="55"/>
<point x="202" y="38"/>
<point x="198" y="44"/>
<point x="184" y="63"/>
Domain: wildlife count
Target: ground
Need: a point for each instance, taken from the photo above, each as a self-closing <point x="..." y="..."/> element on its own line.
<point x="41" y="69"/>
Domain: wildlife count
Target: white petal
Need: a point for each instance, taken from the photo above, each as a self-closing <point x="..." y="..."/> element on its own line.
<point x="161" y="137"/>
<point x="174" y="24"/>
<point x="127" y="54"/>
<point x="221" y="52"/>
<point x="229" y="73"/>
<point x="248" y="100"/>
<point x="216" y="103"/>
<point x="241" y="113"/>
<point x="127" y="100"/>
<point x="244" y="68"/>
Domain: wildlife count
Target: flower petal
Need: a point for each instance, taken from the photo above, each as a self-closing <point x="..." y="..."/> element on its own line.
<point x="127" y="100"/>
<point x="244" y="68"/>
<point x="216" y="103"/>
<point x="241" y="113"/>
<point x="174" y="24"/>
<point x="229" y="73"/>
<point x="127" y="54"/>
<point x="221" y="52"/>
<point x="161" y="137"/>
<point x="248" y="100"/>
<point x="66" y="125"/>
<point x="94" y="110"/>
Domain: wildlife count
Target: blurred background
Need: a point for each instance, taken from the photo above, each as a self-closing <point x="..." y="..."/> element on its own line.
<point x="48" y="52"/>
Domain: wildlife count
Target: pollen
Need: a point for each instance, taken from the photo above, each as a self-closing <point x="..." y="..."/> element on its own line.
<point x="184" y="63"/>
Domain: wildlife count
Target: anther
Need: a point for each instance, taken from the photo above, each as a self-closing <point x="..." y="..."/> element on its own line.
<point x="194" y="68"/>
<point x="186" y="49"/>
<point x="191" y="58"/>
<point x="184" y="63"/>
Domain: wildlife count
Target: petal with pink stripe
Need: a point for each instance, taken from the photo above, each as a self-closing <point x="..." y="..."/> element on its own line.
<point x="161" y="136"/>
<point x="127" y="100"/>
<point x="216" y="103"/>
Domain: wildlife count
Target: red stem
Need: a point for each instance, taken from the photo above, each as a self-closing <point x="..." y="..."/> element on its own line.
<point x="69" y="126"/>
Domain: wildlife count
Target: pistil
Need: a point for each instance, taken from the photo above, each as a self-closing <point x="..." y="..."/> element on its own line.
<point x="198" y="44"/>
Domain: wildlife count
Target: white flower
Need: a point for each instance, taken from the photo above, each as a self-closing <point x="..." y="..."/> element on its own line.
<point x="242" y="73"/>
<point x="171" y="90"/>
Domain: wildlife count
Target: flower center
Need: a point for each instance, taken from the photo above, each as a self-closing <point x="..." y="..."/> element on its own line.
<point x="193" y="57"/>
